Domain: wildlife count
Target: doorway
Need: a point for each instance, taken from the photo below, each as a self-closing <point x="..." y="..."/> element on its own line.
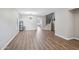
<point x="53" y="25"/>
<point x="50" y="19"/>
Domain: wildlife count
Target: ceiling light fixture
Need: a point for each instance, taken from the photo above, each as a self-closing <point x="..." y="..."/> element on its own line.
<point x="30" y="17"/>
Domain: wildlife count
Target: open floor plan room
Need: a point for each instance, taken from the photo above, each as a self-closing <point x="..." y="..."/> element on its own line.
<point x="39" y="28"/>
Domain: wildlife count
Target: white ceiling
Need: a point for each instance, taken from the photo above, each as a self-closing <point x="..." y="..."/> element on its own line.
<point x="35" y="11"/>
<point x="38" y="11"/>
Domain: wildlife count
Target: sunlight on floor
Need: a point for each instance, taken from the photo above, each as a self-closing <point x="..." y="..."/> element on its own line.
<point x="39" y="28"/>
<point x="39" y="32"/>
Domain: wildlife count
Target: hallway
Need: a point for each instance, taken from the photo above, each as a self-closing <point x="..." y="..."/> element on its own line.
<point x="24" y="22"/>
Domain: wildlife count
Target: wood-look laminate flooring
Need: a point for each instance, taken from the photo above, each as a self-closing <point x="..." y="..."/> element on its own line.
<point x="41" y="40"/>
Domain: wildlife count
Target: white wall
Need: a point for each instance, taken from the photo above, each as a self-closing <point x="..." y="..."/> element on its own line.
<point x="64" y="23"/>
<point x="43" y="21"/>
<point x="76" y="23"/>
<point x="8" y="25"/>
<point x="31" y="24"/>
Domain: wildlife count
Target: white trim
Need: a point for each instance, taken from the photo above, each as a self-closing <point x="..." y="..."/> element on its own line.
<point x="67" y="38"/>
<point x="9" y="41"/>
<point x="62" y="36"/>
<point x="75" y="38"/>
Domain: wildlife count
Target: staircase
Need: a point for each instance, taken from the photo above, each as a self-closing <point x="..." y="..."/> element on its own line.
<point x="47" y="27"/>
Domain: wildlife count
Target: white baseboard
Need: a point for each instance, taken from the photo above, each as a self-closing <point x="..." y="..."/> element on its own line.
<point x="61" y="36"/>
<point x="67" y="38"/>
<point x="10" y="40"/>
<point x="75" y="38"/>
